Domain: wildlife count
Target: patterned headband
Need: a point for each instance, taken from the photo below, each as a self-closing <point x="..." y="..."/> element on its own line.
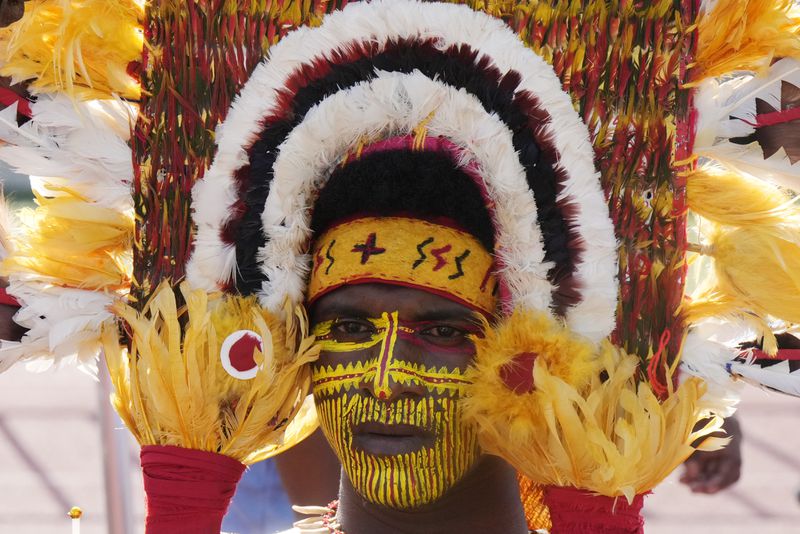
<point x="407" y="252"/>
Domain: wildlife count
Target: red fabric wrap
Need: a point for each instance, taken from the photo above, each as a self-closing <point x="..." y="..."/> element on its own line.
<point x="187" y="491"/>
<point x="573" y="510"/>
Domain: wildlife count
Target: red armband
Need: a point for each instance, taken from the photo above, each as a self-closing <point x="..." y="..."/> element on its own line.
<point x="187" y="491"/>
<point x="573" y="510"/>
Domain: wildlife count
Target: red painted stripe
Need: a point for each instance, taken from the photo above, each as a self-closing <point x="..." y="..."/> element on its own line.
<point x="8" y="97"/>
<point x="489" y="314"/>
<point x="432" y="380"/>
<point x="327" y="379"/>
<point x="776" y="117"/>
<point x="390" y="330"/>
<point x="7" y="299"/>
<point x="783" y="354"/>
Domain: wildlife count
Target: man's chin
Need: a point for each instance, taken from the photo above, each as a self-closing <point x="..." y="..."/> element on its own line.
<point x="393" y="482"/>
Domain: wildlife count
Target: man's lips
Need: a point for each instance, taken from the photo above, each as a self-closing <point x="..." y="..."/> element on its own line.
<point x="382" y="439"/>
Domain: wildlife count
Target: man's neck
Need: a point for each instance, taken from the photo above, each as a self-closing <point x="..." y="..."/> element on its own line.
<point x="486" y="501"/>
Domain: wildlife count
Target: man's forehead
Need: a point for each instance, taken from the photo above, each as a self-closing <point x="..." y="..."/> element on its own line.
<point x="371" y="300"/>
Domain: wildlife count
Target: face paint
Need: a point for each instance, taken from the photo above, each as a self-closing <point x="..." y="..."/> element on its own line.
<point x="438" y="448"/>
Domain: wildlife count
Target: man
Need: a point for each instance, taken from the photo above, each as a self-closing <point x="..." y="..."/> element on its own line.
<point x="402" y="158"/>
<point x="389" y="381"/>
<point x="331" y="168"/>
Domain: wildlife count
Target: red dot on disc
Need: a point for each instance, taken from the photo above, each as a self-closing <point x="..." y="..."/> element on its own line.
<point x="242" y="353"/>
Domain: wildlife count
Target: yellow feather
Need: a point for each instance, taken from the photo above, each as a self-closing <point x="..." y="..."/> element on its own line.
<point x="756" y="271"/>
<point x="731" y="198"/>
<point x="745" y="35"/>
<point x="567" y="356"/>
<point x="73" y="242"/>
<point x="609" y="434"/>
<point x="172" y="389"/>
<point x="81" y="47"/>
<point x="751" y="231"/>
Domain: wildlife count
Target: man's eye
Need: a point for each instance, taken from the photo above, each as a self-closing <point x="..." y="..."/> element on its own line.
<point x="349" y="328"/>
<point x="444" y="332"/>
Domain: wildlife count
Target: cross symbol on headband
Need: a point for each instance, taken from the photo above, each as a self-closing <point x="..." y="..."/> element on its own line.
<point x="368" y="248"/>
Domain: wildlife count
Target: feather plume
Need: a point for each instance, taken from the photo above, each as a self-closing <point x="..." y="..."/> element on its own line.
<point x="372" y="110"/>
<point x="733" y="199"/>
<point x="610" y="436"/>
<point x="82" y="146"/>
<point x="739" y="35"/>
<point x="568" y="357"/>
<point x="713" y="351"/>
<point x="775" y="374"/>
<point x="732" y="128"/>
<point x="70" y="242"/>
<point x="63" y="325"/>
<point x="171" y="388"/>
<point x="72" y="253"/>
<point x="755" y="278"/>
<point x="385" y="108"/>
<point x="750" y="231"/>
<point x="83" y="48"/>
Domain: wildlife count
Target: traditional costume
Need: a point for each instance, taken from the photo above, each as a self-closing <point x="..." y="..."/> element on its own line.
<point x="602" y="155"/>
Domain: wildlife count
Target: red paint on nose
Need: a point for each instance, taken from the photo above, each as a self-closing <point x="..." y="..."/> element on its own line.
<point x="517" y="374"/>
<point x="382" y="395"/>
<point x="242" y="353"/>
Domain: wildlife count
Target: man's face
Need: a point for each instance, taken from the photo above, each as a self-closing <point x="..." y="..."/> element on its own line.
<point x="387" y="387"/>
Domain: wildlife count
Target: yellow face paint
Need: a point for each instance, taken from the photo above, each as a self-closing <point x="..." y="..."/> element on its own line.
<point x="359" y="392"/>
<point x="442" y="381"/>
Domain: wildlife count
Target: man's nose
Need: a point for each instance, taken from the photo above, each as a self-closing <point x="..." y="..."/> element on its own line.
<point x="389" y="381"/>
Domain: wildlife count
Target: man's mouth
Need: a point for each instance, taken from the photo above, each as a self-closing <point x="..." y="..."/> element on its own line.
<point x="380" y="439"/>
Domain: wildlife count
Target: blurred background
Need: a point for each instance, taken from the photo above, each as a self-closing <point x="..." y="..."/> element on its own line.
<point x="61" y="445"/>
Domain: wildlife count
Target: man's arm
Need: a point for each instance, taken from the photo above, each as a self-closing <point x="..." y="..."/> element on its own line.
<point x="713" y="471"/>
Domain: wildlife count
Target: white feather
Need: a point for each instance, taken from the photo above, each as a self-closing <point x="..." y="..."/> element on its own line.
<point x="775" y="377"/>
<point x="381" y="22"/>
<point x="724" y="106"/>
<point x="64" y="324"/>
<point x="11" y="132"/>
<point x="705" y="355"/>
<point x="711" y="352"/>
<point x="81" y="146"/>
